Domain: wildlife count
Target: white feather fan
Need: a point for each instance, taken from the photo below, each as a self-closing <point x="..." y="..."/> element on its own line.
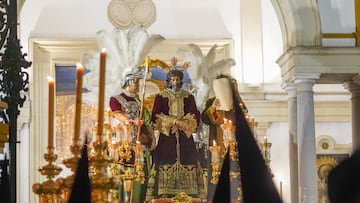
<point x="203" y="70"/>
<point x="126" y="49"/>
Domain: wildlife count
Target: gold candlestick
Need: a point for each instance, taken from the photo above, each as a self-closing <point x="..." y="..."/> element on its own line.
<point x="215" y="162"/>
<point x="139" y="163"/>
<point x="229" y="138"/>
<point x="75" y="148"/>
<point x="49" y="191"/>
<point x="71" y="163"/>
<point x="266" y="145"/>
<point x="232" y="150"/>
<point x="102" y="184"/>
<point x="125" y="145"/>
<point x="266" y="149"/>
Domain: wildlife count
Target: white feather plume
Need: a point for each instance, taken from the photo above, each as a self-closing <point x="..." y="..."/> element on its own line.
<point x="203" y="70"/>
<point x="125" y="49"/>
<point x="192" y="53"/>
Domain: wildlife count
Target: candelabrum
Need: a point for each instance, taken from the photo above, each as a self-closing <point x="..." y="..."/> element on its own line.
<point x="266" y="145"/>
<point x="101" y="182"/>
<point x="139" y="163"/>
<point x="252" y="124"/>
<point x="72" y="163"/>
<point x="127" y="157"/>
<point x="215" y="162"/>
<point x="228" y="129"/>
<point x="49" y="191"/>
<point x="123" y="141"/>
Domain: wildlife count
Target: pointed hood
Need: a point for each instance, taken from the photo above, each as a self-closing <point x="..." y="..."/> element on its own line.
<point x="256" y="179"/>
<point x="222" y="192"/>
<point x="81" y="189"/>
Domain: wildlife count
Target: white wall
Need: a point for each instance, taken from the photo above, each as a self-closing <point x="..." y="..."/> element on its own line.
<point x="186" y="19"/>
<point x="278" y="134"/>
<point x="340" y="131"/>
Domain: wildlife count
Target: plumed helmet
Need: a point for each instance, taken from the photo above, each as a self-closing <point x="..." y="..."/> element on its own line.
<point x="130" y="74"/>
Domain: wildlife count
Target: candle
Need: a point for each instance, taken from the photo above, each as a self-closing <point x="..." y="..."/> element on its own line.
<point x="215" y="157"/>
<point x="280" y="189"/>
<point x="51" y="83"/>
<point x="231" y="134"/>
<point x="79" y="74"/>
<point x="101" y="93"/>
<point x="224" y="128"/>
<point x="225" y="121"/>
<point x="215" y="152"/>
<point x="138" y="152"/>
<point x="114" y="153"/>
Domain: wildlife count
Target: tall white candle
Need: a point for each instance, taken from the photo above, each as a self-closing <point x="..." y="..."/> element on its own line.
<point x="101" y="93"/>
<point x="51" y="84"/>
<point x="79" y="75"/>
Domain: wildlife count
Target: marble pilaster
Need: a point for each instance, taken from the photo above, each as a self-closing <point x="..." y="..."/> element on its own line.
<point x="354" y="89"/>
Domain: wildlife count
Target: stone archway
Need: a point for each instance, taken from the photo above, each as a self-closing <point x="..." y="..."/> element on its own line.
<point x="299" y="21"/>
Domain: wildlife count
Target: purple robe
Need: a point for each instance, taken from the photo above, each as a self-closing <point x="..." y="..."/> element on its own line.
<point x="165" y="152"/>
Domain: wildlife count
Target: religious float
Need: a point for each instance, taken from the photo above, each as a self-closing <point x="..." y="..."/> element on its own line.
<point x="116" y="161"/>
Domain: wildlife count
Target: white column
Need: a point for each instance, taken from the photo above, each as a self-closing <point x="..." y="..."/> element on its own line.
<point x="290" y="88"/>
<point x="306" y="139"/>
<point x="354" y="88"/>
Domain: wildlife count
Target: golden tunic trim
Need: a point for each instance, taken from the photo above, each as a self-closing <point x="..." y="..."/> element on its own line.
<point x="176" y="101"/>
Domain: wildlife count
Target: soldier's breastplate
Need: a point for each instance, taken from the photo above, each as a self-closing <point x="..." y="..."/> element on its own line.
<point x="132" y="109"/>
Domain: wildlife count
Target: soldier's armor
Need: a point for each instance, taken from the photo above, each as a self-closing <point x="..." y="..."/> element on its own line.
<point x="132" y="109"/>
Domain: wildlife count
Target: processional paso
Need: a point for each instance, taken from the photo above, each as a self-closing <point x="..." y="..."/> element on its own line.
<point x="119" y="162"/>
<point x="120" y="168"/>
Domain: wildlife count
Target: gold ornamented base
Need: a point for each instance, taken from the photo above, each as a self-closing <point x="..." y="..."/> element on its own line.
<point x="49" y="191"/>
